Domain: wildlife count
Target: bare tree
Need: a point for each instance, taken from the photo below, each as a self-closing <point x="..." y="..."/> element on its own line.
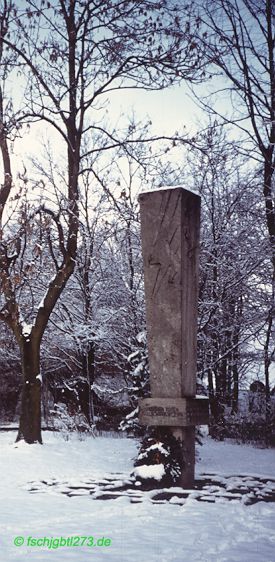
<point x="238" y="38"/>
<point x="71" y="56"/>
<point x="233" y="254"/>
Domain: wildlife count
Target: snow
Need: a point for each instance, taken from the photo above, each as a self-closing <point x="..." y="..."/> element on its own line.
<point x="155" y="471"/>
<point x="133" y="355"/>
<point x="175" y="531"/>
<point x="154" y="447"/>
<point x="26" y="329"/>
<point x="104" y="390"/>
<point x="42" y="302"/>
<point x="228" y="458"/>
<point x="166" y="187"/>
<point x="132" y="414"/>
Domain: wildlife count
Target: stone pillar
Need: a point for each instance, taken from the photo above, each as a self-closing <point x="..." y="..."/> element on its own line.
<point x="170" y="223"/>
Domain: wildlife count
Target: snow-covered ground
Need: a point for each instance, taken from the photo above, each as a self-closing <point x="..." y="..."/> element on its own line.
<point x="139" y="532"/>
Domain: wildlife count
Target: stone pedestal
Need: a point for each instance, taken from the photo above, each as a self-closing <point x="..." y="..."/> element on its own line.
<point x="181" y="415"/>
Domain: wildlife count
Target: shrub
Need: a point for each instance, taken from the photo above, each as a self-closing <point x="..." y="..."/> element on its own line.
<point x="162" y="453"/>
<point x="245" y="428"/>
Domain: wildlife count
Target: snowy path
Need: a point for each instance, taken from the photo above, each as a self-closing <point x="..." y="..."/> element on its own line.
<point x="146" y="532"/>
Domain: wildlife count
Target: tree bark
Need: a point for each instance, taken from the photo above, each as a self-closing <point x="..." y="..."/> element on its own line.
<point x="30" y="418"/>
<point x="88" y="370"/>
<point x="211" y="392"/>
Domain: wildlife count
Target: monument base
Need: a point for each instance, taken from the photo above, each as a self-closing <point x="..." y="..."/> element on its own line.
<point x="180" y="415"/>
<point x="187" y="437"/>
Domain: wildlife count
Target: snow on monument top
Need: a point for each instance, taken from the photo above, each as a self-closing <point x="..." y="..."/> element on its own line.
<point x="166" y="187"/>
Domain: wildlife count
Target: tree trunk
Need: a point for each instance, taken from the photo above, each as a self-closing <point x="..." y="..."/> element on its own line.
<point x="91" y="380"/>
<point x="30" y="418"/>
<point x="235" y="393"/>
<point x="235" y="369"/>
<point x="212" y="402"/>
<point x="88" y="370"/>
<point x="267" y="362"/>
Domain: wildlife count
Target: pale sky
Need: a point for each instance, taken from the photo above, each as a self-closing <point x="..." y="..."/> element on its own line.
<point x="169" y="110"/>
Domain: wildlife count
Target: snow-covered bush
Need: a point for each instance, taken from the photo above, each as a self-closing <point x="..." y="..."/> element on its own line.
<point x="244" y="428"/>
<point x="130" y="423"/>
<point x="65" y="422"/>
<point x="138" y="383"/>
<point x="160" y="460"/>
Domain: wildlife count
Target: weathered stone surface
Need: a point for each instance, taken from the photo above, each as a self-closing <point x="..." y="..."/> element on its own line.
<point x="174" y="412"/>
<point x="170" y="221"/>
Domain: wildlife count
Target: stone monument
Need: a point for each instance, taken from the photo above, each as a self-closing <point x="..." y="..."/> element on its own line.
<point x="170" y="224"/>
